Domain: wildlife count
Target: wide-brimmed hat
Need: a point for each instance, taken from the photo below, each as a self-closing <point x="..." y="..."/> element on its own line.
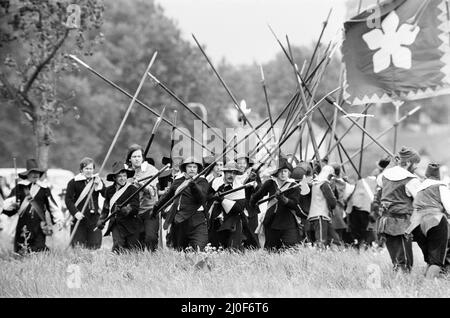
<point x="250" y="161"/>
<point x="117" y="168"/>
<point x="189" y="160"/>
<point x="283" y="163"/>
<point x="231" y="167"/>
<point x="31" y="166"/>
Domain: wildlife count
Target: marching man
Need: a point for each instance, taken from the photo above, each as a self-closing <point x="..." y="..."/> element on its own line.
<point x="398" y="187"/>
<point x="125" y="225"/>
<point x="147" y="198"/>
<point x="187" y="217"/>
<point x="37" y="210"/>
<point x="77" y="190"/>
<point x="226" y="215"/>
<point x="281" y="224"/>
<point x="429" y="225"/>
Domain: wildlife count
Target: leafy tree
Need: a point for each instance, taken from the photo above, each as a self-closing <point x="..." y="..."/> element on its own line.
<point x="35" y="36"/>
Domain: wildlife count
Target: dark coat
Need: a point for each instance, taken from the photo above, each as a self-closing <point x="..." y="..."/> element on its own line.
<point x="280" y="216"/>
<point x="129" y="224"/>
<point x="186" y="205"/>
<point x="231" y="218"/>
<point x="74" y="189"/>
<point x="30" y="218"/>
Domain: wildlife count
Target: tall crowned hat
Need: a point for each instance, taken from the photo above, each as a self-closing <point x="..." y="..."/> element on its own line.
<point x="32" y="166"/>
<point x="117" y="168"/>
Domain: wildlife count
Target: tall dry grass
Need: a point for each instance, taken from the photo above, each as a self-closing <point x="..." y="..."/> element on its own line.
<point x="299" y="272"/>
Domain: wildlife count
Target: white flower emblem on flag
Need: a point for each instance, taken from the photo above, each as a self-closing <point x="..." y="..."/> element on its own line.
<point x="390" y="41"/>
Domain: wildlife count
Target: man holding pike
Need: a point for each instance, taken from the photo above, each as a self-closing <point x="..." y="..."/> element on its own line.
<point x="227" y="211"/>
<point x="125" y="225"/>
<point x="187" y="216"/>
<point x="281" y="224"/>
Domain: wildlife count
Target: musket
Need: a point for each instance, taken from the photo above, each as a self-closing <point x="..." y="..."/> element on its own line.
<point x="362" y="146"/>
<point x="140" y="103"/>
<point x="236" y="104"/>
<point x="409" y="114"/>
<point x="113" y="143"/>
<point x="244" y="186"/>
<point x="275" y="195"/>
<point x="138" y="190"/>
<point x="170" y="217"/>
<point x="155" y="128"/>
<point x="206" y="170"/>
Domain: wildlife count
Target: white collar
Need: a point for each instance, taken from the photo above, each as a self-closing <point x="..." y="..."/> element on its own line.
<point x="144" y="166"/>
<point x="430" y="182"/>
<point x="81" y="177"/>
<point x="40" y="183"/>
<point x="397" y="173"/>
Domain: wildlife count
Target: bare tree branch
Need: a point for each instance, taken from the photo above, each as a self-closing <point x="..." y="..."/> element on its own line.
<point x="45" y="62"/>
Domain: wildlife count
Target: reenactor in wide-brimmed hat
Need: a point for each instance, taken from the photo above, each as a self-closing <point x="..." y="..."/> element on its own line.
<point x="227" y="211"/>
<point x="187" y="216"/>
<point x="37" y="209"/>
<point x="280" y="223"/>
<point x="125" y="225"/>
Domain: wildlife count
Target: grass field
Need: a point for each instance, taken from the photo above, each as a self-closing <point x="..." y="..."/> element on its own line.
<point x="300" y="272"/>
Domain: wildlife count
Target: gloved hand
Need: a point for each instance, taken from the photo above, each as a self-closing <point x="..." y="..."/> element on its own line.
<point x="125" y="210"/>
<point x="47" y="229"/>
<point x="100" y="224"/>
<point x="281" y="198"/>
<point x="217" y="197"/>
<point x="79" y="215"/>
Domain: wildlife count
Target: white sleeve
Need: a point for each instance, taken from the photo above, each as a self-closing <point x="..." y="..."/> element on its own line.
<point x="380" y="180"/>
<point x="412" y="187"/>
<point x="445" y="197"/>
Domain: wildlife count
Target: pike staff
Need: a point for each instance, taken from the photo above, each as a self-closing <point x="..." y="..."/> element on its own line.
<point x="140" y="103"/>
<point x="155" y="128"/>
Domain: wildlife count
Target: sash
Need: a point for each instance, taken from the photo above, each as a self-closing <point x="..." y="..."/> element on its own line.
<point x="274" y="201"/>
<point x="28" y="198"/>
<point x="117" y="195"/>
<point x="85" y="192"/>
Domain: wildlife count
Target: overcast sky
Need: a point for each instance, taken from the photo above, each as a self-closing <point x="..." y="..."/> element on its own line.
<point x="238" y="31"/>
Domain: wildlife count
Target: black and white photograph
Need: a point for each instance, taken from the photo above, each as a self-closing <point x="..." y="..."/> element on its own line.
<point x="223" y="154"/>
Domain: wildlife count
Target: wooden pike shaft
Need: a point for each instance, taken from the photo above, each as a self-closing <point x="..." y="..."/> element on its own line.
<point x="266" y="97"/>
<point x="155" y="128"/>
<point x="182" y="103"/>
<point x="339" y="108"/>
<point x="113" y="143"/>
<point x="140" y="103"/>
<point x="345" y="133"/>
<point x="227" y="89"/>
<point x="325" y="23"/>
<point x="385" y="132"/>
